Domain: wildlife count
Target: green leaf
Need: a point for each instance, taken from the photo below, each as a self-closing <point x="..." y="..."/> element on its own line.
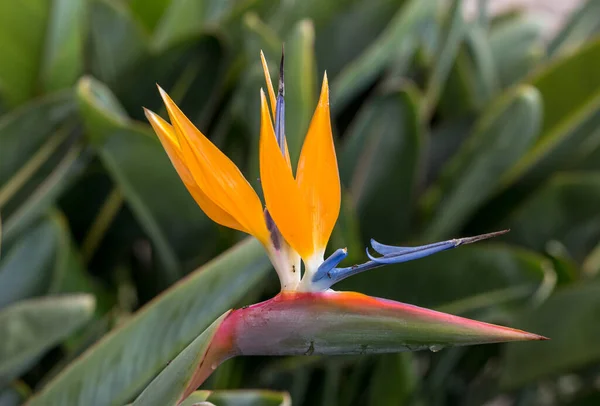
<point x="451" y="37"/>
<point x="239" y="398"/>
<point x="503" y="134"/>
<point x="27" y="268"/>
<point x="354" y="26"/>
<point x="149" y="12"/>
<point x="485" y="80"/>
<point x="517" y="47"/>
<point x="579" y="28"/>
<point x="564" y="209"/>
<point x="118" y="367"/>
<point x="363" y="71"/>
<point x="181" y="18"/>
<point x="187" y="18"/>
<point x="25" y="130"/>
<point x="47" y="192"/>
<point x="65" y="35"/>
<point x="31" y="327"/>
<point x="380" y="159"/>
<point x="570" y="92"/>
<point x="117" y="42"/>
<point x="192" y="71"/>
<point x="262" y="37"/>
<point x="43" y="40"/>
<point x="301" y="85"/>
<point x="570" y="319"/>
<point x="468" y="278"/>
<point x="394" y="380"/>
<point x="149" y="184"/>
<point x="22" y="29"/>
<point x="173" y="383"/>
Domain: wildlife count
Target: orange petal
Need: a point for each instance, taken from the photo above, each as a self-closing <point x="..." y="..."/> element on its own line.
<point x="272" y="98"/>
<point x="166" y="135"/>
<point x="317" y="174"/>
<point x="282" y="195"/>
<point x="216" y="175"/>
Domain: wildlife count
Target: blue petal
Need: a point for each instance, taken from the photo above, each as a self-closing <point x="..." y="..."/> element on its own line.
<point x="405" y="254"/>
<point x="395" y="250"/>
<point x="390" y="255"/>
<point x="280" y="109"/>
<point x="330" y="263"/>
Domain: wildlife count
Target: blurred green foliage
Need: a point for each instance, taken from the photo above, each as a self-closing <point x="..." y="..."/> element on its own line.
<point x="445" y="127"/>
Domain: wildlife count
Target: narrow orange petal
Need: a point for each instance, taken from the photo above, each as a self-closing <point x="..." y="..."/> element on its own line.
<point x="168" y="138"/>
<point x="282" y="195"/>
<point x="272" y="98"/>
<point x="317" y="174"/>
<point x="216" y="175"/>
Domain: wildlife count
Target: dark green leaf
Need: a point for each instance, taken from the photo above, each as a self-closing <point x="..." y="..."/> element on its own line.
<point x="570" y="319"/>
<point x="565" y="209"/>
<point x="27" y="268"/>
<point x="394" y="380"/>
<point x="503" y="134"/>
<point x="23" y="131"/>
<point x="31" y="327"/>
<point x="363" y="71"/>
<point x="451" y="37"/>
<point x="379" y="162"/>
<point x="116" y="40"/>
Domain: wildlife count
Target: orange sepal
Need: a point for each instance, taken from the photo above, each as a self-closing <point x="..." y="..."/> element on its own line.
<point x="317" y="174"/>
<point x="216" y="175"/>
<point x="168" y="138"/>
<point x="282" y="195"/>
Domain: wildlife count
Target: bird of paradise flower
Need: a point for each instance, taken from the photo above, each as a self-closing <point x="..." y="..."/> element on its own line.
<point x="307" y="316"/>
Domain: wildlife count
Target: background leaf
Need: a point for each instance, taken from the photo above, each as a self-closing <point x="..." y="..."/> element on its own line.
<point x="29" y="328"/>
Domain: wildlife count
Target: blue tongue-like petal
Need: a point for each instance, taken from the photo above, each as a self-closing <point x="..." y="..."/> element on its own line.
<point x="394" y="255"/>
<point x="280" y="108"/>
<point x="329" y="275"/>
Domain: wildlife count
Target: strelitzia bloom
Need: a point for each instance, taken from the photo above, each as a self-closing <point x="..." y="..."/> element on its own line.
<point x="294" y="226"/>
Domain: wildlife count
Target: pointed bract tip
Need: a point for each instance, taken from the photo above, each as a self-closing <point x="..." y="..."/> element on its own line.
<point x="481" y="237"/>
<point x="148" y="113"/>
<point x="324" y="97"/>
<point x="163" y="93"/>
